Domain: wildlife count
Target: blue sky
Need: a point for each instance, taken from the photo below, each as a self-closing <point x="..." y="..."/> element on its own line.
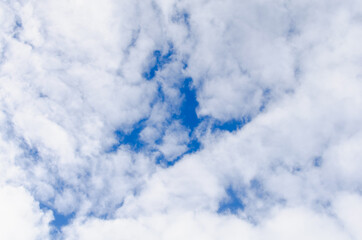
<point x="180" y="119"/>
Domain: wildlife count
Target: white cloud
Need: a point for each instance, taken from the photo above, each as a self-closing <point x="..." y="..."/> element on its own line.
<point x="296" y="223"/>
<point x="20" y="216"/>
<point x="349" y="211"/>
<point x="174" y="143"/>
<point x="73" y="72"/>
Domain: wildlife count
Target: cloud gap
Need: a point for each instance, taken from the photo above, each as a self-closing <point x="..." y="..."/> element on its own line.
<point x="131" y="138"/>
<point x="188" y="117"/>
<point x="159" y="61"/>
<point x="59" y="221"/>
<point x="231" y="125"/>
<point x="232" y="204"/>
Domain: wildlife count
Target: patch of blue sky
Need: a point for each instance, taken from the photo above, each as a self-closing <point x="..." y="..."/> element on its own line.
<point x="189" y="119"/>
<point x="131" y="138"/>
<point x="158" y="62"/>
<point x="59" y="221"/>
<point x="163" y="162"/>
<point x="231" y="125"/>
<point x="193" y="146"/>
<point x="231" y="204"/>
<point x="188" y="115"/>
<point x="184" y="65"/>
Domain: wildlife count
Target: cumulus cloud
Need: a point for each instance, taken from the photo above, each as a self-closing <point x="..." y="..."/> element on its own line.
<point x="293" y="223"/>
<point x="21" y="217"/>
<point x="181" y="119"/>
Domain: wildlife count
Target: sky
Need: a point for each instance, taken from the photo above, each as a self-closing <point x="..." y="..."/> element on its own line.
<point x="180" y="119"/>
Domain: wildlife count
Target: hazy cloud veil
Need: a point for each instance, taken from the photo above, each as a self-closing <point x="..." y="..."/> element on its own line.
<point x="180" y="119"/>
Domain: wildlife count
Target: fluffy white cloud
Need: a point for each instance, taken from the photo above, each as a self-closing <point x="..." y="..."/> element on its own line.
<point x="174" y="142"/>
<point x="20" y="216"/>
<point x="295" y="223"/>
<point x="92" y="94"/>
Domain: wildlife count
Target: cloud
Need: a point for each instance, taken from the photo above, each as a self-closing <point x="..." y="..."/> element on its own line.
<point x="174" y="143"/>
<point x="293" y="223"/>
<point x="348" y="209"/>
<point x="21" y="217"/>
<point x="136" y="119"/>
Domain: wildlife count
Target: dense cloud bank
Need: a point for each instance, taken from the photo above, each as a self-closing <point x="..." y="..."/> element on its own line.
<point x="180" y="119"/>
